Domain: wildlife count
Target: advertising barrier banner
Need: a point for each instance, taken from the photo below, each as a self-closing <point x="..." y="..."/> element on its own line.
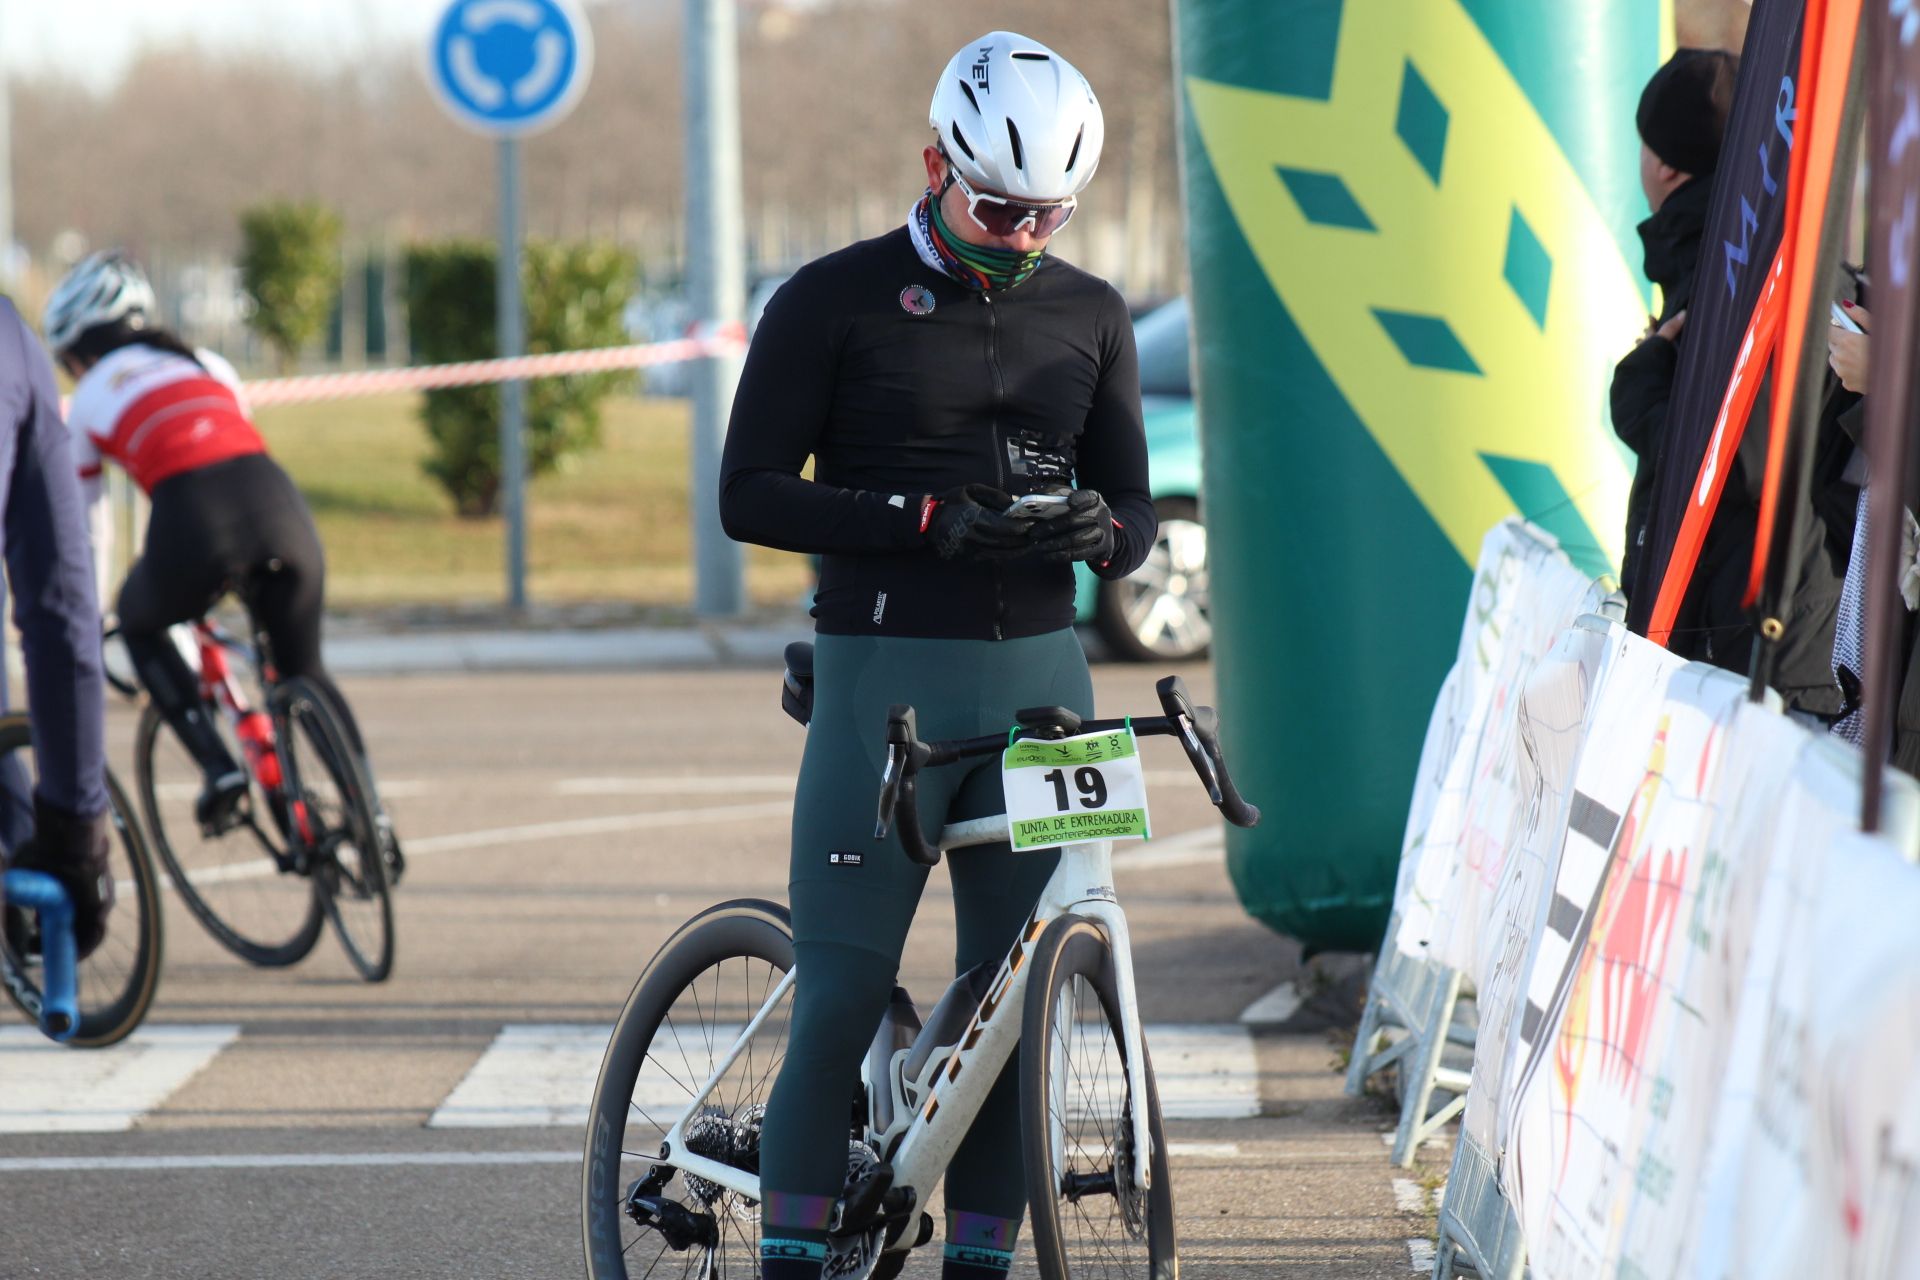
<point x="1588" y="1080"/>
<point x="1525" y="593"/>
<point x="1552" y="723"/>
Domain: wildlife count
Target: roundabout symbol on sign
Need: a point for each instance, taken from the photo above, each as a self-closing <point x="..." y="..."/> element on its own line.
<point x="510" y="67"/>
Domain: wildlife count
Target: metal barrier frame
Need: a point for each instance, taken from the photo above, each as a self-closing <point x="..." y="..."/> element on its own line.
<point x="1480" y="1234"/>
<point x="1419" y="1000"/>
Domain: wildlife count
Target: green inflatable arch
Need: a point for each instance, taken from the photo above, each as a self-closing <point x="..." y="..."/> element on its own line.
<point x="1414" y="263"/>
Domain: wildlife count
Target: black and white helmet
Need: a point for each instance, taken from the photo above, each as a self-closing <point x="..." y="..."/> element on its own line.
<point x="1016" y="118"/>
<point x="102" y="288"/>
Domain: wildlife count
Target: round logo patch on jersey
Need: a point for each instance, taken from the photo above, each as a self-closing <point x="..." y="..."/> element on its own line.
<point x="916" y="300"/>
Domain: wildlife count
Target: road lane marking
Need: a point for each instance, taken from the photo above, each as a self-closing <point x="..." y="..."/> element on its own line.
<point x="611" y="825"/>
<point x="1206" y="845"/>
<point x="1204" y="1150"/>
<point x="1274" y="1007"/>
<point x="426" y="846"/>
<point x="355" y="1160"/>
<point x="657" y="786"/>
<point x="535" y="1075"/>
<point x="1409" y="1195"/>
<point x="51" y="1089"/>
<point x="1420" y="1256"/>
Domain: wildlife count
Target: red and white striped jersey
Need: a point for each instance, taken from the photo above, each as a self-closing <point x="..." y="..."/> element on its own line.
<point x="158" y="414"/>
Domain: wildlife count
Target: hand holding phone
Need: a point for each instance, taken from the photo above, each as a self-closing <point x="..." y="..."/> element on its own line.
<point x="1038" y="506"/>
<point x="1842" y="320"/>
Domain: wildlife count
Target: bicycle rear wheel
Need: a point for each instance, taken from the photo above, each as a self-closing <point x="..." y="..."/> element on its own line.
<point x="690" y="1006"/>
<point x="238" y="883"/>
<point x="1076" y="1120"/>
<point x="117" y="982"/>
<point x="332" y="809"/>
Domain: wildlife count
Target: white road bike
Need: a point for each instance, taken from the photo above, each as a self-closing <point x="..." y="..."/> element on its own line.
<point x="670" y="1181"/>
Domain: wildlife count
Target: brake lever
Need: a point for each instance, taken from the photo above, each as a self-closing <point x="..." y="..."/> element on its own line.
<point x="899" y="786"/>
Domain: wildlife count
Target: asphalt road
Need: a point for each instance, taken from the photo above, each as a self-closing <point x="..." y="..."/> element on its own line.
<point x="298" y="1123"/>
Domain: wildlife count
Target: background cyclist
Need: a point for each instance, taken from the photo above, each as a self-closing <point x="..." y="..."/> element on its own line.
<point x="50" y="573"/>
<point x="934" y="374"/>
<point x="225" y="516"/>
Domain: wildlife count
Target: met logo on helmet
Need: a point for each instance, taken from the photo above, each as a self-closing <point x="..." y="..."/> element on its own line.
<point x="981" y="69"/>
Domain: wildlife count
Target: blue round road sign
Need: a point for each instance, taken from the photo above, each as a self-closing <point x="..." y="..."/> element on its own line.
<point x="510" y="67"/>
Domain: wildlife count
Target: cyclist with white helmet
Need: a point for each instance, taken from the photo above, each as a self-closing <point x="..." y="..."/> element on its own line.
<point x="225" y="516"/>
<point x="935" y="375"/>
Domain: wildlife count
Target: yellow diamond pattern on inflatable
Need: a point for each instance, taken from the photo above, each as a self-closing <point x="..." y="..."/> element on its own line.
<point x="1444" y="262"/>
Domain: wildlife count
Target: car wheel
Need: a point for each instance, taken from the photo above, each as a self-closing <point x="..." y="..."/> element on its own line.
<point x="1159" y="612"/>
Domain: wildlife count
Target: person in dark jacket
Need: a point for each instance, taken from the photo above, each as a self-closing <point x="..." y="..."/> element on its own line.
<point x="60" y="825"/>
<point x="1682" y="118"/>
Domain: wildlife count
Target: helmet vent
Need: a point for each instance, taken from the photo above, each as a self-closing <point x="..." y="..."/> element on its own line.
<point x="1029" y="55"/>
<point x="968" y="90"/>
<point x="1074" y="154"/>
<point x="1019" y="154"/>
<point x="961" y="139"/>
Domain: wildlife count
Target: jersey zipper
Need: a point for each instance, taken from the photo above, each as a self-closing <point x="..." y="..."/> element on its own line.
<point x="999" y="449"/>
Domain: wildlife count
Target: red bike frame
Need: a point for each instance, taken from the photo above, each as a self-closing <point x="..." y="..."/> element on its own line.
<point x="254" y="728"/>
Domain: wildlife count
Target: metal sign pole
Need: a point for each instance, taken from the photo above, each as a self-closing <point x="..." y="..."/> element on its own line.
<point x="716" y="284"/>
<point x="511" y="322"/>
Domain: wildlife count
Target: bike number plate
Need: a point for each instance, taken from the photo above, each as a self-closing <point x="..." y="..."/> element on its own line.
<point x="1060" y="790"/>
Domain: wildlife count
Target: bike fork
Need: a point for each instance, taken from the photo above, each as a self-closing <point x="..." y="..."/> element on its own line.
<point x="1113" y="922"/>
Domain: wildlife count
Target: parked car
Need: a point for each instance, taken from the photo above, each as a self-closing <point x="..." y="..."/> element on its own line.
<point x="1160" y="612"/>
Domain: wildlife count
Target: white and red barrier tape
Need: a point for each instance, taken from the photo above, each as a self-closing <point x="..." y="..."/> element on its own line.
<point x="729" y="340"/>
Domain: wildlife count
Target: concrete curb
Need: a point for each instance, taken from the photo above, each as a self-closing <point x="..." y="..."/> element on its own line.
<point x="424" y="651"/>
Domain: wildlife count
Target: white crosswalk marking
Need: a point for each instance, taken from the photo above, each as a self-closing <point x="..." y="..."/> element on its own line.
<point x="533" y="1075"/>
<point x="1205" y="1072"/>
<point x="543" y="1075"/>
<point x="45" y="1088"/>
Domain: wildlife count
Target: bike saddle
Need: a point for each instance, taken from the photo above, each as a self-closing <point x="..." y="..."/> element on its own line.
<point x="1048" y="722"/>
<point x="796" y="683"/>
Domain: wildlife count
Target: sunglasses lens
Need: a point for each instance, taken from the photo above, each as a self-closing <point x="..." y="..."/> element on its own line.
<point x="1003" y="219"/>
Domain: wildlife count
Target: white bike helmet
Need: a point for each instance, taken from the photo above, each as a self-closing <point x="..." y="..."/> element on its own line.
<point x="102" y="288"/>
<point x="1016" y="118"/>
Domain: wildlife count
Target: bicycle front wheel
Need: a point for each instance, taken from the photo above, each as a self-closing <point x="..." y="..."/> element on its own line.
<point x="331" y="816"/>
<point x="238" y="882"/>
<point x="117" y="982"/>
<point x="1090" y="1222"/>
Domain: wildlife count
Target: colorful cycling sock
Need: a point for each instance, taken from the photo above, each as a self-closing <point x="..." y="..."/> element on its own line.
<point x="794" y="1246"/>
<point x="785" y="1258"/>
<point x="979" y="1247"/>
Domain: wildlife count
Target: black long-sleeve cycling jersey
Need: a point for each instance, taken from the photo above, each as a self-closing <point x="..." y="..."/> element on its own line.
<point x="901" y="383"/>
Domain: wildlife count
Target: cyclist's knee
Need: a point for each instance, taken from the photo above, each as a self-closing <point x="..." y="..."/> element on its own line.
<point x="838" y="998"/>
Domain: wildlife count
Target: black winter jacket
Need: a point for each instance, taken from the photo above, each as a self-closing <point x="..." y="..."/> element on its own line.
<point x="1643" y="381"/>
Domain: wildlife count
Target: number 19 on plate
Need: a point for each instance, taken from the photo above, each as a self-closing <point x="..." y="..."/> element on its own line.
<point x="1060" y="790"/>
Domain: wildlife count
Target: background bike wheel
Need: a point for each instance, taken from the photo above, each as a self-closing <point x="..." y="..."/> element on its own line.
<point x="689" y="1006"/>
<point x="230" y="882"/>
<point x="349" y="871"/>
<point x="118" y="980"/>
<point x="1076" y="1118"/>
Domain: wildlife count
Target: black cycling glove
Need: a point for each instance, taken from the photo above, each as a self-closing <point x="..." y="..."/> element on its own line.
<point x="971" y="523"/>
<point x="73" y="851"/>
<point x="1084" y="531"/>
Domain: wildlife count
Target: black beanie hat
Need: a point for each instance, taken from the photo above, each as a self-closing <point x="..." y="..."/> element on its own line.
<point x="1683" y="110"/>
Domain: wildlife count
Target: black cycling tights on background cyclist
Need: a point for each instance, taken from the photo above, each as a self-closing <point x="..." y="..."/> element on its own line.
<point x="50" y="573"/>
<point x="225" y="516"/>
<point x="934" y="374"/>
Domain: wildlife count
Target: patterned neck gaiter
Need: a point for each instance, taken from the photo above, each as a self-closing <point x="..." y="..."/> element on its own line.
<point x="976" y="266"/>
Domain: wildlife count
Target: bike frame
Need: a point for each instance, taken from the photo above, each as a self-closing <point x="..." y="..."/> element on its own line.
<point x="217" y="682"/>
<point x="252" y="728"/>
<point x="1082" y="884"/>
